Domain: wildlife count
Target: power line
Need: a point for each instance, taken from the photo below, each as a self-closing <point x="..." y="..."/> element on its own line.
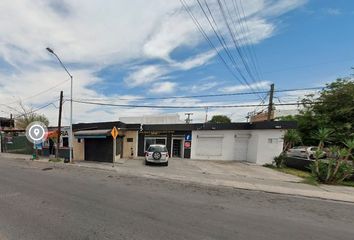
<point x="211" y="44"/>
<point x="185" y="107"/>
<point x="37" y="109"/>
<point x="222" y="41"/>
<point x="245" y="29"/>
<point x="206" y="95"/>
<point x="234" y="39"/>
<point x="39" y="93"/>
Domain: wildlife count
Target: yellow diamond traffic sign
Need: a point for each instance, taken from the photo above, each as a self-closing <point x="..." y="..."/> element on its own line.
<point x="114" y="132"/>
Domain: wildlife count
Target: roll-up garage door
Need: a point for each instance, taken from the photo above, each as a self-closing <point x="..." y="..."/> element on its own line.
<point x="209" y="145"/>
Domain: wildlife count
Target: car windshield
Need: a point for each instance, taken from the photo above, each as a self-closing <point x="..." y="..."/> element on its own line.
<point x="157" y="149"/>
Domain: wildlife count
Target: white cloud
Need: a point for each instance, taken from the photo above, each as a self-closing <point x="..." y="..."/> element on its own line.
<point x="152" y="73"/>
<point x="174" y="30"/>
<point x="278" y="7"/>
<point x="203" y="87"/>
<point x="91" y="36"/>
<point x="196" y="61"/>
<point x="163" y="87"/>
<point x="146" y="74"/>
<point x="333" y="11"/>
<point x="240" y="88"/>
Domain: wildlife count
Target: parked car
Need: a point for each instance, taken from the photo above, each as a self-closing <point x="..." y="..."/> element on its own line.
<point x="307" y="152"/>
<point x="156" y="154"/>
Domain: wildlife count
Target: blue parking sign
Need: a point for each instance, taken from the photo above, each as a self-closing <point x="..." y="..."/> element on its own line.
<point x="188" y="137"/>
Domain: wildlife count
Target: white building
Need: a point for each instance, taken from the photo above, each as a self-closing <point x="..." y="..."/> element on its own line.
<point x="153" y="119"/>
<point x="255" y="145"/>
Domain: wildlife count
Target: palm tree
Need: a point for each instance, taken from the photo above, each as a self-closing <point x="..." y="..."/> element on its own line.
<point x="349" y="143"/>
<point x="291" y="138"/>
<point x="323" y="135"/>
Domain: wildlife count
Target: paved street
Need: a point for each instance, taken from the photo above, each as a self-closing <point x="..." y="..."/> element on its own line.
<point x="82" y="203"/>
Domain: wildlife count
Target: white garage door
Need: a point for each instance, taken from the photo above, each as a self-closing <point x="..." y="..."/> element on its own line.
<point x="240" y="149"/>
<point x="209" y="146"/>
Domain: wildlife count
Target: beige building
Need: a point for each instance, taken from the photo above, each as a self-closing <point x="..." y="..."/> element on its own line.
<point x="94" y="142"/>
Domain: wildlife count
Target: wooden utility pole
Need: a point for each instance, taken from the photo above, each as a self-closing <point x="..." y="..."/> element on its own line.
<point x="59" y="124"/>
<point x="270" y="105"/>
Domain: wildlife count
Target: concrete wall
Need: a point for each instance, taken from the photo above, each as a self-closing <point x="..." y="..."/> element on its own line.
<point x="221" y="144"/>
<point x="79" y="149"/>
<point x="127" y="146"/>
<point x="257" y="146"/>
<point x="270" y="144"/>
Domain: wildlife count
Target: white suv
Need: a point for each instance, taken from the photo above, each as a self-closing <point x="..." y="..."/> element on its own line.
<point x="156" y="154"/>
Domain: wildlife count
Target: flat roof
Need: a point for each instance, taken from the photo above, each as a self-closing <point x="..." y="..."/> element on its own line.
<point x="188" y="127"/>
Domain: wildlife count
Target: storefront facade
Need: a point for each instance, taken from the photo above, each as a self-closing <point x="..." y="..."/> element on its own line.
<point x="252" y="142"/>
<point x="174" y="141"/>
<point x="93" y="141"/>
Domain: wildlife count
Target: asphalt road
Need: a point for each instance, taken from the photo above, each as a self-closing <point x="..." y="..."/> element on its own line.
<point x="81" y="203"/>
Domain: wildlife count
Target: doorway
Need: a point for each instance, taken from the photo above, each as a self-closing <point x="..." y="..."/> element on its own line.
<point x="177" y="147"/>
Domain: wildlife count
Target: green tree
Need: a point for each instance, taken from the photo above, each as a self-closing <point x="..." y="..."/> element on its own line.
<point x="220" y="119"/>
<point x="291" y="138"/>
<point x="323" y="135"/>
<point x="332" y="109"/>
<point x="349" y="143"/>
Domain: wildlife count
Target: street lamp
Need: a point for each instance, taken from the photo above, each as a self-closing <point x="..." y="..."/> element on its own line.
<point x="71" y="105"/>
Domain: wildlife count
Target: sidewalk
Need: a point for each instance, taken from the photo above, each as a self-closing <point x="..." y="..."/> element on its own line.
<point x="212" y="173"/>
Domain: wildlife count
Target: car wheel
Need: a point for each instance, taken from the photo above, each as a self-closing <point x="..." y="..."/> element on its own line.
<point x="157" y="155"/>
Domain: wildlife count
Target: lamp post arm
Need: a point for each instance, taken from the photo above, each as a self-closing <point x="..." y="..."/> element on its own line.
<point x="62" y="64"/>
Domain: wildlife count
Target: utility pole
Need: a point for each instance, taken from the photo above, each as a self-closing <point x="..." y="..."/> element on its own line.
<point x="270" y="105"/>
<point x="59" y="124"/>
<point x="206" y="114"/>
<point x="188" y="119"/>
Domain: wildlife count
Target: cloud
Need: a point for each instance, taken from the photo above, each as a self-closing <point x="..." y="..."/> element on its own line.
<point x="333" y="11"/>
<point x="203" y="87"/>
<point x="92" y="36"/>
<point x="278" y="7"/>
<point x="174" y="30"/>
<point x="240" y="88"/>
<point x="196" y="61"/>
<point x="144" y="75"/>
<point x="163" y="87"/>
<point x="152" y="73"/>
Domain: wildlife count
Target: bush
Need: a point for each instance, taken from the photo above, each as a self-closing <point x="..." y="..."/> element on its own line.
<point x="279" y="160"/>
<point x="331" y="171"/>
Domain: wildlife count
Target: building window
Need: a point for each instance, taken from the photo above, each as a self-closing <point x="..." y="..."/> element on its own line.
<point x="273" y="140"/>
<point x="130" y="140"/>
<point x="150" y="140"/>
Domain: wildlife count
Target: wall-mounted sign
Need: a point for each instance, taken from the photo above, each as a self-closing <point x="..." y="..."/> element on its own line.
<point x="157" y="132"/>
<point x="187" y="144"/>
<point x="188" y="137"/>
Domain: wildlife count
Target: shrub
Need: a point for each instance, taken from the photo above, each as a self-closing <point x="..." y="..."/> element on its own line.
<point x="279" y="160"/>
<point x="331" y="171"/>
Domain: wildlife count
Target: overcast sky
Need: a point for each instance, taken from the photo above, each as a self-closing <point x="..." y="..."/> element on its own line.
<point x="135" y="49"/>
